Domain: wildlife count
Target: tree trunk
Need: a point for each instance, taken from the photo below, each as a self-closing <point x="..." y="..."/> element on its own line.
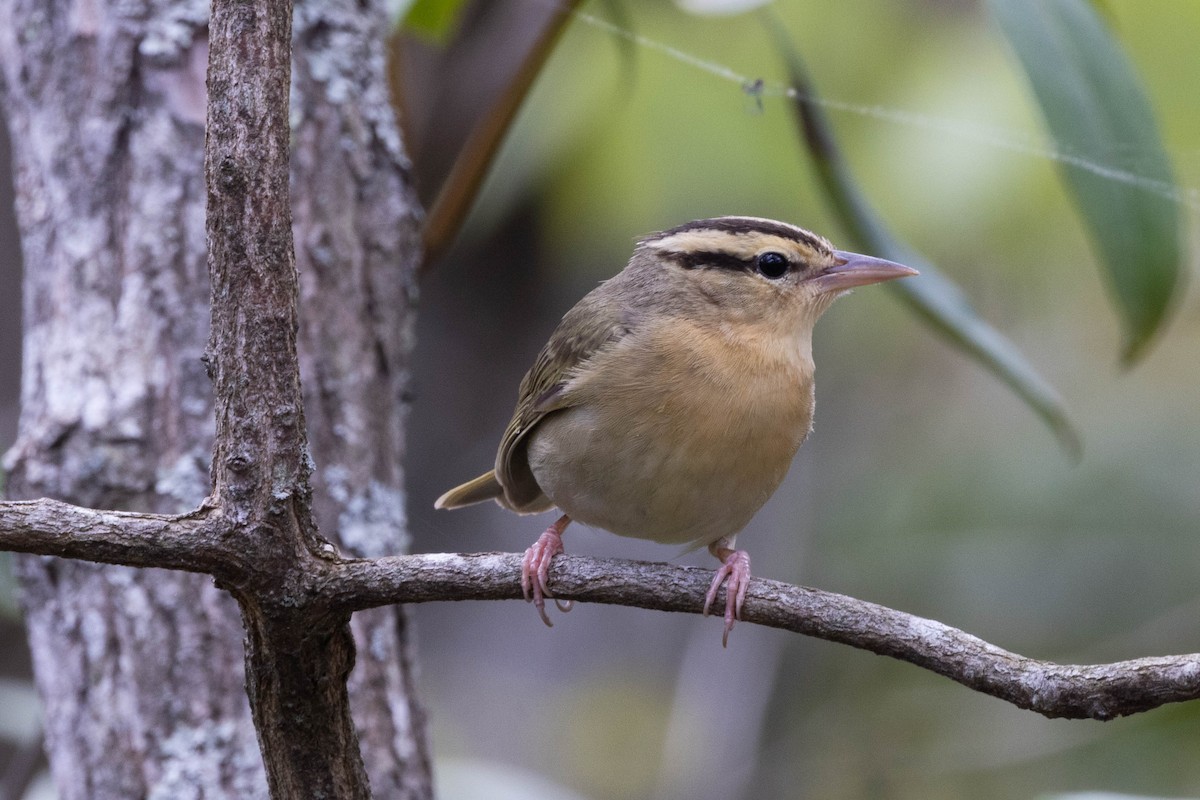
<point x="141" y="672"/>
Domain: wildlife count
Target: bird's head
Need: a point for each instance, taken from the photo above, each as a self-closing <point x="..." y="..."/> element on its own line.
<point x="752" y="270"/>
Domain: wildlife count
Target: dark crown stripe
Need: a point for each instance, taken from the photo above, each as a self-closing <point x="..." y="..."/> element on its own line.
<point x="741" y="225"/>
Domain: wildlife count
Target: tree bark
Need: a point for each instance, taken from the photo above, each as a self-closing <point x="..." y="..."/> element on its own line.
<point x="141" y="672"/>
<point x="357" y="249"/>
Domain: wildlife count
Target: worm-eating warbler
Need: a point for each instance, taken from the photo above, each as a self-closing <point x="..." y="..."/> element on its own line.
<point x="671" y="399"/>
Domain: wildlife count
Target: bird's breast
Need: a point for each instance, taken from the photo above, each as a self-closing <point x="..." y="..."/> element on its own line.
<point x="678" y="433"/>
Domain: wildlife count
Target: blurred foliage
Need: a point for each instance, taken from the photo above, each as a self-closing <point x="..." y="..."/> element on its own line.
<point x="924" y="486"/>
<point x="8" y="588"/>
<point x="434" y="19"/>
<point x="720" y="6"/>
<point x="461" y="187"/>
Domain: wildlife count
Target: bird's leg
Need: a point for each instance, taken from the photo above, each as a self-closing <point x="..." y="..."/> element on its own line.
<point x="735" y="565"/>
<point x="535" y="568"/>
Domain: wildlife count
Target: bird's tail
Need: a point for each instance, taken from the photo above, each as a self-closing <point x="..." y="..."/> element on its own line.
<point x="485" y="487"/>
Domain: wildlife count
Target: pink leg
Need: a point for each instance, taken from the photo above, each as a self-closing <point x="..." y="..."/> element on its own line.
<point x="735" y="565"/>
<point x="535" y="568"/>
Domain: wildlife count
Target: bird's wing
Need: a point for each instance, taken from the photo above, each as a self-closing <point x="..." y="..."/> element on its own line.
<point x="593" y="325"/>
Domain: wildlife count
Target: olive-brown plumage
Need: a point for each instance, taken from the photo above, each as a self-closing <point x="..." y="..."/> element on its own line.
<point x="670" y="401"/>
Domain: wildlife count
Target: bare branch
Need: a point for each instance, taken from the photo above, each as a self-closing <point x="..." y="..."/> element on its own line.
<point x="1100" y="691"/>
<point x="189" y="542"/>
<point x="260" y="463"/>
<point x="337" y="587"/>
<point x="298" y="657"/>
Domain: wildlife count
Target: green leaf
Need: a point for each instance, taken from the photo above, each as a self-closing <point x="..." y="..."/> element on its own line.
<point x="935" y="298"/>
<point x="433" y="19"/>
<point x="1114" y="165"/>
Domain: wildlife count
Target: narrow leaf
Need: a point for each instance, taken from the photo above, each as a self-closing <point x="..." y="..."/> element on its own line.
<point x="935" y="298"/>
<point x="1115" y="166"/>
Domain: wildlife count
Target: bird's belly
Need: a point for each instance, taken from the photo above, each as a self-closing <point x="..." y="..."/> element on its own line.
<point x="672" y="475"/>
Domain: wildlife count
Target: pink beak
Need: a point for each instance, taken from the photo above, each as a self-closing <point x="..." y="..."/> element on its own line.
<point x="852" y="269"/>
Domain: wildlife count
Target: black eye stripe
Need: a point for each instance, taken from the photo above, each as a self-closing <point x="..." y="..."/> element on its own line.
<point x="714" y="259"/>
<point x="776" y="266"/>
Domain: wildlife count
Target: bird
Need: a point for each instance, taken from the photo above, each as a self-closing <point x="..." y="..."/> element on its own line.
<point x="669" y="402"/>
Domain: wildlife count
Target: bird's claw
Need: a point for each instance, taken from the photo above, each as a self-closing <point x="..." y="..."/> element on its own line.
<point x="735" y="566"/>
<point x="535" y="570"/>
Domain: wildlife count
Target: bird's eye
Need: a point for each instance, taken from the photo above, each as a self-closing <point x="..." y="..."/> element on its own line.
<point x="773" y="265"/>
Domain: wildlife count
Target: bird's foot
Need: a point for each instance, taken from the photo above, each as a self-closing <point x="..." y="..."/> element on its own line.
<point x="735" y="566"/>
<point x="535" y="569"/>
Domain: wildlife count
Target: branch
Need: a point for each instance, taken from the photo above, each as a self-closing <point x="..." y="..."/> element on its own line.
<point x="189" y="542"/>
<point x="1100" y="691"/>
<point x="298" y="656"/>
<point x="342" y="586"/>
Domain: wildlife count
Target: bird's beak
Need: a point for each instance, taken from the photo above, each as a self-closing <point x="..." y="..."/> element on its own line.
<point x="851" y="269"/>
